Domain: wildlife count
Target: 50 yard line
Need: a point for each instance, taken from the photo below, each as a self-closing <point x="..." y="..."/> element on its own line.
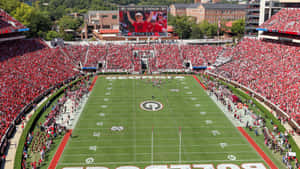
<point x="134" y="122"/>
<point x="152" y="142"/>
<point x="179" y="153"/>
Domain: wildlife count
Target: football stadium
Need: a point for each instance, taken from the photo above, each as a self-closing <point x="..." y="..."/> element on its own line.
<point x="145" y="98"/>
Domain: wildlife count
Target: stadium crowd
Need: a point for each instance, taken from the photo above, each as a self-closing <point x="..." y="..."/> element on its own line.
<point x="274" y="139"/>
<point x="27" y="69"/>
<point x="286" y="20"/>
<point x="201" y="55"/>
<point x="8" y="24"/>
<point x="270" y="69"/>
<point x="39" y="141"/>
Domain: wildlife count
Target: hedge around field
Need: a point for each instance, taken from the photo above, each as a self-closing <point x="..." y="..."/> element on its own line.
<point x="32" y="121"/>
<point x="267" y="114"/>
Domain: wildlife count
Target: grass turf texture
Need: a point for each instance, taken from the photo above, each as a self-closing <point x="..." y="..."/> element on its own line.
<point x="133" y="145"/>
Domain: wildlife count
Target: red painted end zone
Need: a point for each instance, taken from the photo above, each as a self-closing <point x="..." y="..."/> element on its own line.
<point x="93" y="83"/>
<point x="60" y="150"/>
<point x="196" y="78"/>
<point x="257" y="148"/>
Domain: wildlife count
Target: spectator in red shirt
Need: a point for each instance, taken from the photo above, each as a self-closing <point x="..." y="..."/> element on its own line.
<point x="162" y="21"/>
<point x="139" y="24"/>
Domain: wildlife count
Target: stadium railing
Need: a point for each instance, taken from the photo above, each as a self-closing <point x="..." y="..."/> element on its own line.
<point x="281" y="128"/>
<point x="31" y="123"/>
<point x="278" y="111"/>
<point x="10" y="131"/>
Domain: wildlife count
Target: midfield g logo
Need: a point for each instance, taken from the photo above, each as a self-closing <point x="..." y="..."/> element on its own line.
<point x="151" y="105"/>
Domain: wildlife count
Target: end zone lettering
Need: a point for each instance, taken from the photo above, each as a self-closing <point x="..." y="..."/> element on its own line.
<point x="187" y="166"/>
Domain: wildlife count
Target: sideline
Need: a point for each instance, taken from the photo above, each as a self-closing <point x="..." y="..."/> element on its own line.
<point x="14" y="142"/>
<point x="196" y="78"/>
<point x="60" y="150"/>
<point x="93" y="83"/>
<point x="65" y="140"/>
<point x="257" y="148"/>
<point x="249" y="139"/>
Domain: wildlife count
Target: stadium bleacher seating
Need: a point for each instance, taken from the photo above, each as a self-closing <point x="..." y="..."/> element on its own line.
<point x="29" y="67"/>
<point x="201" y="55"/>
<point x="8" y="24"/>
<point x="286" y="21"/>
<point x="271" y="69"/>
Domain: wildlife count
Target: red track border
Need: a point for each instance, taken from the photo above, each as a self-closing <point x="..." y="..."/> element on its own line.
<point x="196" y="78"/>
<point x="64" y="142"/>
<point x="60" y="150"/>
<point x="257" y="148"/>
<point x="93" y="83"/>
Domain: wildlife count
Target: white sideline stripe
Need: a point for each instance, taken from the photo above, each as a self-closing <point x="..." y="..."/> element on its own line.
<point x="146" y="162"/>
<point x="122" y="154"/>
<point x="145" y="146"/>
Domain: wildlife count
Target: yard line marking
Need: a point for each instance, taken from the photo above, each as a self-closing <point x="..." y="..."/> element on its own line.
<point x="146" y="162"/>
<point x="134" y="120"/>
<point x="161" y="139"/>
<point x="223" y="145"/>
<point x="99" y="123"/>
<point x="197" y="105"/>
<point x="215" y="132"/>
<point x="126" y="154"/>
<point x="152" y="146"/>
<point x="203" y="113"/>
<point x="158" y="146"/>
<point x="208" y="121"/>
<point x="121" y="116"/>
<point x="104" y="106"/>
<point x="93" y="148"/>
<point x="180" y="144"/>
<point x="96" y="134"/>
<point x="102" y="114"/>
<point x="201" y="127"/>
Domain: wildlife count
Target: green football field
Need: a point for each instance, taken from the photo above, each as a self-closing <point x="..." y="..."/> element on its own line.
<point x="189" y="129"/>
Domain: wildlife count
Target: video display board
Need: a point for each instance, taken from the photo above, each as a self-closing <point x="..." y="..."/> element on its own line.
<point x="143" y="21"/>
